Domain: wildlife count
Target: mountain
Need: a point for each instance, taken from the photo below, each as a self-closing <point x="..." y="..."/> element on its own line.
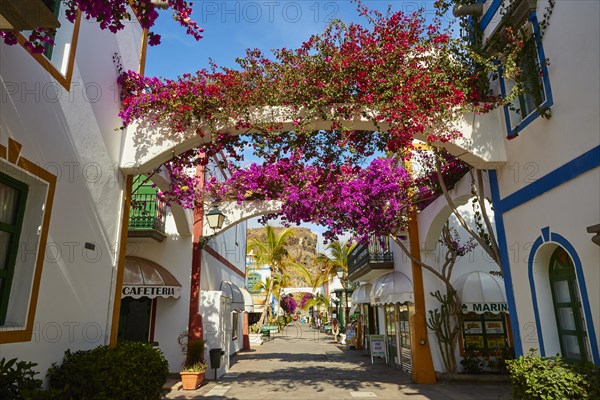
<point x="302" y="248"/>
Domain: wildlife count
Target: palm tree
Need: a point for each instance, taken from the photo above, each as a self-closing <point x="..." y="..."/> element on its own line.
<point x="320" y="301"/>
<point x="272" y="252"/>
<point x="336" y="260"/>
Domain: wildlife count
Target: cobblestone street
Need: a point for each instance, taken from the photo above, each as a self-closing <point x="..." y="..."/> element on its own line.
<point x="301" y="363"/>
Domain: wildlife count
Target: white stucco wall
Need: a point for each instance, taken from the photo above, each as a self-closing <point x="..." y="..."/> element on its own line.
<point x="524" y="225"/>
<point x="172" y="315"/>
<point x="571" y="45"/>
<point x="71" y="134"/>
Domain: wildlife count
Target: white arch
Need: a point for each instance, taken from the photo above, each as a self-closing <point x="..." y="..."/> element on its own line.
<point x="236" y="213"/>
<point x="432" y="219"/>
<point x="300" y="290"/>
<point x="147" y="146"/>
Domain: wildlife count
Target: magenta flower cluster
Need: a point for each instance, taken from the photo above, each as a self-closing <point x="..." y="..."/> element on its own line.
<point x="288" y="304"/>
<point x="112" y="15"/>
<point x="357" y="200"/>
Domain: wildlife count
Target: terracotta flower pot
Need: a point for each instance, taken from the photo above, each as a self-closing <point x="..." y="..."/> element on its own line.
<point x="191" y="380"/>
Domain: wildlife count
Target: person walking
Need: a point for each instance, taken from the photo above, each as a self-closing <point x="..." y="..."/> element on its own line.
<point x="335" y="329"/>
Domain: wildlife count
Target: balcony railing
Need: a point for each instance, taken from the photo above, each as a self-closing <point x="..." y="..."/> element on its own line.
<point x="147" y="217"/>
<point x="377" y="256"/>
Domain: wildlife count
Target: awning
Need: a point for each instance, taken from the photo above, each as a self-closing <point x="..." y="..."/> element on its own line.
<point x="362" y="294"/>
<point x="241" y="300"/>
<point x="481" y="292"/>
<point x="393" y="287"/>
<point x="145" y="278"/>
<point x="248" y="303"/>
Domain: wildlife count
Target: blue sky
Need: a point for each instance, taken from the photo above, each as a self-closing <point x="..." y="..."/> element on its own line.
<point x="232" y="26"/>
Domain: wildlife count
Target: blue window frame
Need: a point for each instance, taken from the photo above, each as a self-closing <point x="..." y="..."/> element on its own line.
<point x="528" y="106"/>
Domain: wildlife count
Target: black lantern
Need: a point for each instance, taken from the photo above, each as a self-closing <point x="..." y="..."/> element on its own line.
<point x="215" y="218"/>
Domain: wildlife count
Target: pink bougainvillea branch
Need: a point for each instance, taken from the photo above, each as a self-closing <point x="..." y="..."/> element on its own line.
<point x="112" y="15"/>
<point x="396" y="72"/>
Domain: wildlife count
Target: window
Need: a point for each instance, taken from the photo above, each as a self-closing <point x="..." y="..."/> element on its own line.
<point x="58" y="59"/>
<point x="13" y="198"/>
<point x="234" y="326"/>
<point x="390" y="331"/>
<point x="26" y="198"/>
<point x="54" y="6"/>
<point x="567" y="307"/>
<point x="537" y="97"/>
<point x="486" y="333"/>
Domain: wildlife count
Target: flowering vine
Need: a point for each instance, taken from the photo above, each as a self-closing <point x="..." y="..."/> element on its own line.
<point x="112" y="15"/>
<point x="396" y="71"/>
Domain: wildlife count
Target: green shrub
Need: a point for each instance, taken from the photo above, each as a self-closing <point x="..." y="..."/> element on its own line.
<point x="552" y="378"/>
<point x="17" y="379"/>
<point x="129" y="371"/>
<point x="471" y="362"/>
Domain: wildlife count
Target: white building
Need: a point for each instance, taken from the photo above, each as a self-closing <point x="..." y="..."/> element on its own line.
<point x="546" y="195"/>
<point x="65" y="245"/>
<point x="545" y="200"/>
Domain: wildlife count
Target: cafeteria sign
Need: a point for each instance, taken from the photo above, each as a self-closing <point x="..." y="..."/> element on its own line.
<point x="150" y="291"/>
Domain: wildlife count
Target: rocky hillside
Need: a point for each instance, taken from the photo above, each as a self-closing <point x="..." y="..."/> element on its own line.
<point x="302" y="248"/>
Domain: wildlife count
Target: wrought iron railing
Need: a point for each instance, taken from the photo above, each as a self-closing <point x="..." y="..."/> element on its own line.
<point x="377" y="253"/>
<point x="147" y="213"/>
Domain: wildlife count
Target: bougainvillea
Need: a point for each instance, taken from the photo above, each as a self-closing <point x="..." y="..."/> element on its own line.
<point x="305" y="297"/>
<point x="397" y="73"/>
<point x="112" y="15"/>
<point x="363" y="200"/>
<point x="288" y="304"/>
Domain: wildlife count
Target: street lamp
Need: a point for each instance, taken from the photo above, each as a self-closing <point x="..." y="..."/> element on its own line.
<point x="215" y="218"/>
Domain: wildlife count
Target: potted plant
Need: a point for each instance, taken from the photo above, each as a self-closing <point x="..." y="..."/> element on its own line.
<point x="194" y="368"/>
<point x="193" y="375"/>
<point x="255" y="334"/>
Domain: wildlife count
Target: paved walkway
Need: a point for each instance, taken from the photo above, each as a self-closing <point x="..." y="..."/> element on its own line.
<point x="303" y="364"/>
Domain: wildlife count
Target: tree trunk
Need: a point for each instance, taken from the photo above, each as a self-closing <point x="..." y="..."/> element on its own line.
<point x="261" y="321"/>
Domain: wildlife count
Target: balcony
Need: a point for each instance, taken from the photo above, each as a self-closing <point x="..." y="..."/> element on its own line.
<point x="367" y="263"/>
<point x="147" y="217"/>
<point x="18" y="15"/>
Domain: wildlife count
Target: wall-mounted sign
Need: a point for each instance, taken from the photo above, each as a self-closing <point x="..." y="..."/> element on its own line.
<point x="150" y="291"/>
<point x="251" y="280"/>
<point x="485" y="307"/>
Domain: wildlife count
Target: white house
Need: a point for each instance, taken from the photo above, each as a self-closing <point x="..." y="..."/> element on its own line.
<point x="547" y="194"/>
<point x="79" y="268"/>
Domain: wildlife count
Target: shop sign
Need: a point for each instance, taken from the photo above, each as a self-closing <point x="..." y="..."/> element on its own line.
<point x="485" y="307"/>
<point x="251" y="280"/>
<point x="377" y="346"/>
<point x="150" y="291"/>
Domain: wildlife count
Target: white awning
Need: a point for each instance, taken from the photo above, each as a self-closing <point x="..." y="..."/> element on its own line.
<point x="362" y="294"/>
<point x="391" y="288"/>
<point x="241" y="300"/>
<point x="248" y="303"/>
<point x="481" y="292"/>
<point x="145" y="278"/>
